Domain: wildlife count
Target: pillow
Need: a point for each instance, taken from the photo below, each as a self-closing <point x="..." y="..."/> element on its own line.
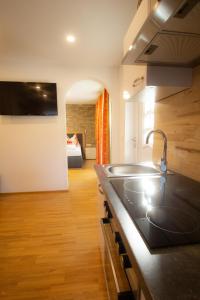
<point x="69" y="140"/>
<point x="72" y="140"/>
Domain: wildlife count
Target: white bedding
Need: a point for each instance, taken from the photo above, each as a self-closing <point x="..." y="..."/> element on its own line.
<point x="74" y="150"/>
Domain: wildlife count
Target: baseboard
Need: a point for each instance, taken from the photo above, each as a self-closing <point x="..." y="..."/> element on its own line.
<point x="34" y="192"/>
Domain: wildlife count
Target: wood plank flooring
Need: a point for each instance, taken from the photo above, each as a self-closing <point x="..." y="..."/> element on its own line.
<point x="49" y="243"/>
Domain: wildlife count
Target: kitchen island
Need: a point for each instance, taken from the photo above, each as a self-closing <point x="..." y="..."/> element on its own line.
<point x="163" y="273"/>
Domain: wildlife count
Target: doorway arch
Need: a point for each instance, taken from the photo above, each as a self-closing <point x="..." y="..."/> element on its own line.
<point x="80" y="108"/>
<point x="81" y="96"/>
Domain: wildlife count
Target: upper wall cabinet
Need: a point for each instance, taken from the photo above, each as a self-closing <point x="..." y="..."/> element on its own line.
<point x="140" y="82"/>
<point x="164" y="32"/>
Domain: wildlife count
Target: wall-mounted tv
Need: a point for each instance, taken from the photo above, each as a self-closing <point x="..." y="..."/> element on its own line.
<point x="28" y="98"/>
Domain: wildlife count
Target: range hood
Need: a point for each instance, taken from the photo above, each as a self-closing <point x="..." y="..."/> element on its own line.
<point x="164" y="32"/>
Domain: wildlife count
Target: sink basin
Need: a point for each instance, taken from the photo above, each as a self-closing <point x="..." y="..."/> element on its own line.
<point x="129" y="170"/>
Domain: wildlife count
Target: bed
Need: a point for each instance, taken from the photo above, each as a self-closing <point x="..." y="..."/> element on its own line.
<point x="75" y="150"/>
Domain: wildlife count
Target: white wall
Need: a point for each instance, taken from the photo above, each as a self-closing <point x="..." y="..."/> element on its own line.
<point x="121" y="119"/>
<point x="32" y="149"/>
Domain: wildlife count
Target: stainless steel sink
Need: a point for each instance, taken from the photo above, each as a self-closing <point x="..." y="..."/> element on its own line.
<point x="129" y="170"/>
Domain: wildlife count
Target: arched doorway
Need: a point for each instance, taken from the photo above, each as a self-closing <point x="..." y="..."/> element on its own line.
<point x="81" y="122"/>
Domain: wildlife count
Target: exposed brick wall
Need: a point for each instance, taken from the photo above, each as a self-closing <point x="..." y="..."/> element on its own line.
<point x="81" y="117"/>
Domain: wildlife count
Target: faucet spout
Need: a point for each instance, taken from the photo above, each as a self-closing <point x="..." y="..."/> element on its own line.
<point x="163" y="165"/>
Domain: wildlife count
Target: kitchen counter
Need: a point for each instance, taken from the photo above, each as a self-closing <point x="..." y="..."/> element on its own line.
<point x="170" y="273"/>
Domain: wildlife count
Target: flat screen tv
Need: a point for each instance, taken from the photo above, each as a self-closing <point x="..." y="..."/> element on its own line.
<point x="28" y="98"/>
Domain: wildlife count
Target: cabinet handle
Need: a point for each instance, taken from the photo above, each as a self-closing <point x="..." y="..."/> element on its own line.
<point x="100" y="189"/>
<point x="137" y="81"/>
<point x="118" y="240"/>
<point x="107" y="208"/>
<point x="117" y="237"/>
<point x="126" y="262"/>
<point x="132" y="277"/>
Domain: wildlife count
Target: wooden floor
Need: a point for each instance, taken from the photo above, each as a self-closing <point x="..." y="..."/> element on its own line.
<point x="49" y="247"/>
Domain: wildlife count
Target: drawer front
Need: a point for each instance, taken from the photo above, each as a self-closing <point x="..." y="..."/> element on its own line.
<point x="142" y="297"/>
<point x="117" y="283"/>
<point x="113" y="225"/>
<point x="90" y="153"/>
<point x="101" y="200"/>
<point x="101" y="214"/>
<point x="132" y="278"/>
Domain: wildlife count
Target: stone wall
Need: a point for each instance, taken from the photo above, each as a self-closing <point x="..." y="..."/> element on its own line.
<point x="81" y="117"/>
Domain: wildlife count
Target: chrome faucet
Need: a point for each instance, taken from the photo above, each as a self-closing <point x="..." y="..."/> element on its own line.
<point x="163" y="164"/>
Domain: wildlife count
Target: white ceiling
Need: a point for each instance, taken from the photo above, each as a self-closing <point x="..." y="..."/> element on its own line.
<point x="38" y="29"/>
<point x="84" y="92"/>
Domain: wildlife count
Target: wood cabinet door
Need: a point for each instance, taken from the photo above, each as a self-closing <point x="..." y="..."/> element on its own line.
<point x="133" y="80"/>
<point x="117" y="283"/>
<point x="142" y="297"/>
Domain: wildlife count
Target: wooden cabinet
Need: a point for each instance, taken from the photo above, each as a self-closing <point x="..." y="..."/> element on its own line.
<point x="90" y="153"/>
<point x="143" y="83"/>
<point x="121" y="278"/>
<point x="142" y="297"/>
<point x="133" y="280"/>
<point x="117" y="283"/>
<point x="101" y="201"/>
<point x="139" y="18"/>
<point x="136" y="24"/>
<point x="133" y="80"/>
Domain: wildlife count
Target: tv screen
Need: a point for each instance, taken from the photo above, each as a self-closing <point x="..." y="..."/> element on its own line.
<point x="28" y="98"/>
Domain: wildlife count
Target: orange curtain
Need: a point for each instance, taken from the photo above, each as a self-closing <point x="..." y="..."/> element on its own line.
<point x="102" y="129"/>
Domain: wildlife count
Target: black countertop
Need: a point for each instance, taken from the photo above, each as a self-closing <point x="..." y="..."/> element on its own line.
<point x="163" y="208"/>
<point x="170" y="273"/>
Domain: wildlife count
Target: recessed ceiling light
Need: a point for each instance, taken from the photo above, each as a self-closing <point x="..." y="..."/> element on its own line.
<point x="37" y="87"/>
<point x="44" y="95"/>
<point x="71" y="38"/>
<point x="126" y="95"/>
